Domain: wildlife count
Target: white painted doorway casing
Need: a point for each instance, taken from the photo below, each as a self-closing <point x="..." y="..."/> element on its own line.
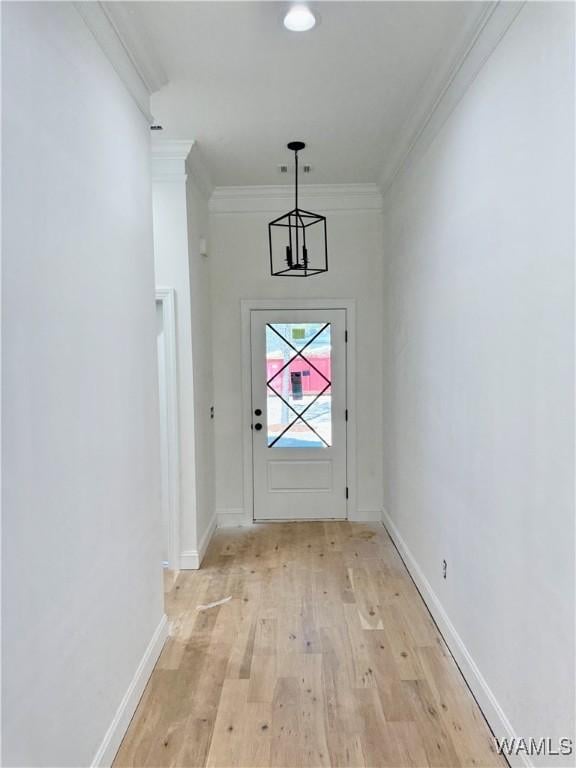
<point x="169" y="433"/>
<point x="346" y="472"/>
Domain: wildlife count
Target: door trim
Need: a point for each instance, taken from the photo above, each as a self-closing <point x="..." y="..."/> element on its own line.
<point x="166" y="298"/>
<point x="247" y="305"/>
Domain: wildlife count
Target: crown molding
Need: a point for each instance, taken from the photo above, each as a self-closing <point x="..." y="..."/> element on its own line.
<point x="169" y="159"/>
<point x="199" y="173"/>
<point x="124" y="19"/>
<point x="272" y="199"/>
<point x="446" y="87"/>
<point x="106" y="35"/>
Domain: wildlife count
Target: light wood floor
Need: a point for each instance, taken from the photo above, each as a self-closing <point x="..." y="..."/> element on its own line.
<point x="325" y="656"/>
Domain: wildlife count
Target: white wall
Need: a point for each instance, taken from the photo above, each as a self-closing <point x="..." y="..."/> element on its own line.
<point x="82" y="592"/>
<point x="172" y="271"/>
<point x="201" y="314"/>
<point x="240" y="270"/>
<point x="479" y="348"/>
<point x="180" y="220"/>
<point x="168" y="502"/>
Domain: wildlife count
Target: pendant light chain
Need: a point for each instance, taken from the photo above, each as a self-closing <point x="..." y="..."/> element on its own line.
<point x="296" y="169"/>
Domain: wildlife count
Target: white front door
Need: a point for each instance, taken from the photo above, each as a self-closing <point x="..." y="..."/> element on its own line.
<point x="299" y="414"/>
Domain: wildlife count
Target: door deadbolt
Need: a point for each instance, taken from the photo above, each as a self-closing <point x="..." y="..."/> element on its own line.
<point x="258" y="412"/>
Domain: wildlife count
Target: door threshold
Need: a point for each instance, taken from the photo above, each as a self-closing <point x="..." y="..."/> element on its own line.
<point x="303" y="520"/>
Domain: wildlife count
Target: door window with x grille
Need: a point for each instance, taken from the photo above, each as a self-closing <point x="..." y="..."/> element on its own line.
<point x="299" y="412"/>
<point x="298" y="384"/>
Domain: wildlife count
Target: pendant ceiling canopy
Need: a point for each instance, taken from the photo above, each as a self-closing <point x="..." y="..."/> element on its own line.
<point x="298" y="245"/>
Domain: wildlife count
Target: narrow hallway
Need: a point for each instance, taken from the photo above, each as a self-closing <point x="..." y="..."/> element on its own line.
<point x="324" y="656"/>
<point x="258" y="522"/>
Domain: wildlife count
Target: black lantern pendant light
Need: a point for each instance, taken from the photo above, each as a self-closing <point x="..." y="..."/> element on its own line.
<point x="298" y="246"/>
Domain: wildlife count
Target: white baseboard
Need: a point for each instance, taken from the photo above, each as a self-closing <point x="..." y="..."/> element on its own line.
<point x="113" y="738"/>
<point x="486" y="699"/>
<point x="191" y="559"/>
<point x="366" y="516"/>
<point x="231" y="518"/>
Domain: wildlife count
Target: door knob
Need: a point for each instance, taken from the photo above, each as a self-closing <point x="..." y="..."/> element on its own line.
<point x="258" y="426"/>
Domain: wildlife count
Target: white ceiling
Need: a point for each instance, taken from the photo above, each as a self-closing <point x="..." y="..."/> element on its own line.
<point x="242" y="86"/>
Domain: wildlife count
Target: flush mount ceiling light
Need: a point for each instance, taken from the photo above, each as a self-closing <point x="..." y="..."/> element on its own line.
<point x="299" y="18"/>
<point x="298" y="238"/>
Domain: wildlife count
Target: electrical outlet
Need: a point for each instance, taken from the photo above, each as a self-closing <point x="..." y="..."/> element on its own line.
<point x="444" y="568"/>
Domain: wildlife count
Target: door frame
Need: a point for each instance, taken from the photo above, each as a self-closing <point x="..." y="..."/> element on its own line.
<point x="247" y="305"/>
<point x="166" y="298"/>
